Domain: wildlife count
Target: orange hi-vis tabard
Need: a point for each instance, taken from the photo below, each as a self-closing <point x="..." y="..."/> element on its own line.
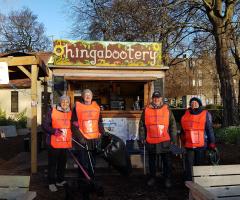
<point x="157" y="123"/>
<point x="61" y="120"/>
<point x="88" y="118"/>
<point x="193" y="127"/>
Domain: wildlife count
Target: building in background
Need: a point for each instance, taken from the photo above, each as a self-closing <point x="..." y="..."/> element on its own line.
<point x="189" y="77"/>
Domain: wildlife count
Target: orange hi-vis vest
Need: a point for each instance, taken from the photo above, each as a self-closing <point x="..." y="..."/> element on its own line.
<point x="88" y="118"/>
<point x="194" y="127"/>
<point x="157" y="123"/>
<point x="61" y="120"/>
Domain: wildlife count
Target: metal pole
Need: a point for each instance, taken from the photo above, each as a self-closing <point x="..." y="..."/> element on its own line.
<point x="144" y="159"/>
<point x="90" y="160"/>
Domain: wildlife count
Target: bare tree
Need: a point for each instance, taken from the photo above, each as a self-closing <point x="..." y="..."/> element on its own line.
<point x="134" y="20"/>
<point x="20" y="31"/>
<point x="183" y="26"/>
<point x="220" y="14"/>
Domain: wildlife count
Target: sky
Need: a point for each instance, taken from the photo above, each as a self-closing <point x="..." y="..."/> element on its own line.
<point x="52" y="13"/>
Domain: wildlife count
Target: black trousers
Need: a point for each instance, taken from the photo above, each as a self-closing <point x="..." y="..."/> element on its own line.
<point x="88" y="160"/>
<point x="57" y="159"/>
<point x="193" y="157"/>
<point x="166" y="159"/>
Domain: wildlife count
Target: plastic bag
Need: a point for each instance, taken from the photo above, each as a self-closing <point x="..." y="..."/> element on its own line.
<point x="115" y="153"/>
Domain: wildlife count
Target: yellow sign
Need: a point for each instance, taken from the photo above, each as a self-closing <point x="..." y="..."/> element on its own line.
<point x="101" y="53"/>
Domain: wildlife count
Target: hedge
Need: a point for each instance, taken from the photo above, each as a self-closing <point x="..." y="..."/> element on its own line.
<point x="229" y="135"/>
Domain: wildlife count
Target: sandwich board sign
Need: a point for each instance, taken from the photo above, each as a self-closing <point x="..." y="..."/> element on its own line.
<point x="4" y="77"/>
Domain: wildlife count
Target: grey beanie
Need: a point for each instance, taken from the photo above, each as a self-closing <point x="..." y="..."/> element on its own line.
<point x="64" y="97"/>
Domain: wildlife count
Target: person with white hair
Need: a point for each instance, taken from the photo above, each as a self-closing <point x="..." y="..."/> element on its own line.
<point x="87" y="128"/>
<point x="57" y="125"/>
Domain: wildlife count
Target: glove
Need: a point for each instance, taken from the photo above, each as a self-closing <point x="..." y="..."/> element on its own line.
<point x="58" y="132"/>
<point x="212" y="146"/>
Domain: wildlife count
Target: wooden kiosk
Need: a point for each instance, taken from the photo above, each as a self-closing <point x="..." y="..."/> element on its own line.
<point x="122" y="75"/>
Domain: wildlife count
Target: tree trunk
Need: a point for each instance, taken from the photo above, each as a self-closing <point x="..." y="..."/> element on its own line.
<point x="230" y="108"/>
<point x="238" y="96"/>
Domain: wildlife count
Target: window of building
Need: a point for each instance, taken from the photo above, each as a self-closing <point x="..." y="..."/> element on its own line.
<point x="200" y="73"/>
<point x="14" y="101"/>
<point x="193" y="82"/>
<point x="200" y="83"/>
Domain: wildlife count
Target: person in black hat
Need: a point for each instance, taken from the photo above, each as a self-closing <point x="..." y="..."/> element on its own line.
<point x="197" y="134"/>
<point x="157" y="130"/>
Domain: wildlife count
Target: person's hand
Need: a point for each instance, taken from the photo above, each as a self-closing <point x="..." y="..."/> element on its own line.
<point x="58" y="132"/>
<point x="212" y="146"/>
<point x="75" y="123"/>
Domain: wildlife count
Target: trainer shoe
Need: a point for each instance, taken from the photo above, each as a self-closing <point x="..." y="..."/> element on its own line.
<point x="61" y="184"/>
<point x="52" y="188"/>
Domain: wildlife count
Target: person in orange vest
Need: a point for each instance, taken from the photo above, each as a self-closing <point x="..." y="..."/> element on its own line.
<point x="57" y="125"/>
<point x="87" y="128"/>
<point x="197" y="134"/>
<point x="157" y="130"/>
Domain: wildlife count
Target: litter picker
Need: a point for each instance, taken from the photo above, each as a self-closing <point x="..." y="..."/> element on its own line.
<point x="144" y="158"/>
<point x="86" y="149"/>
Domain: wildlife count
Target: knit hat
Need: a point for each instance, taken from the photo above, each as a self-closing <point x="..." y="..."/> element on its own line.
<point x="197" y="100"/>
<point x="64" y="97"/>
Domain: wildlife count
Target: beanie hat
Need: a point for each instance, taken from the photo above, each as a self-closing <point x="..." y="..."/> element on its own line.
<point x="64" y="97"/>
<point x="156" y="94"/>
<point x="197" y="100"/>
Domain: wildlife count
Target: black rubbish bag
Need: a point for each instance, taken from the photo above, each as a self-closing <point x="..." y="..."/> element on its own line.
<point x="115" y="153"/>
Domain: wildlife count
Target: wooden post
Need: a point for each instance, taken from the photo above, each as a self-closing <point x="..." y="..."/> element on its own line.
<point x="151" y="89"/>
<point x="46" y="98"/>
<point x="146" y="94"/>
<point x="70" y="93"/>
<point x="34" y="74"/>
<point x="148" y="90"/>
